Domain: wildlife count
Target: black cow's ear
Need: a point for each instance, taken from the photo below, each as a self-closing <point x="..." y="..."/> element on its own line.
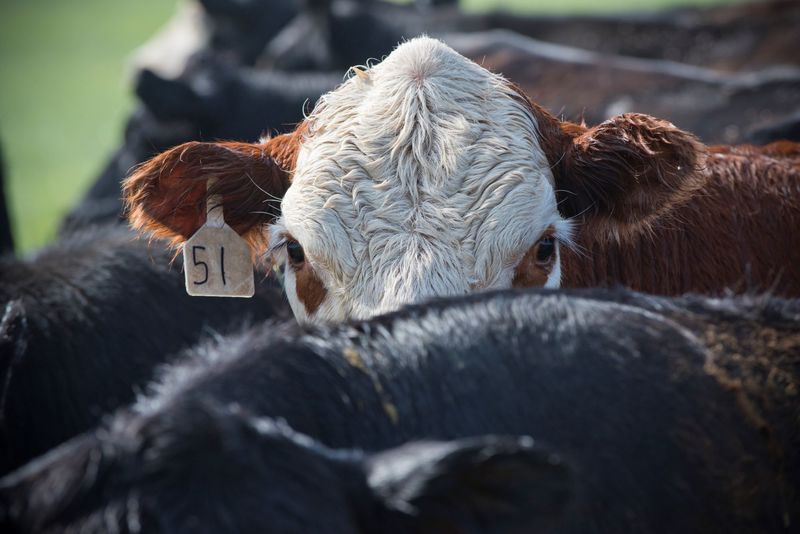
<point x="64" y="481"/>
<point x="484" y="484"/>
<point x="626" y="168"/>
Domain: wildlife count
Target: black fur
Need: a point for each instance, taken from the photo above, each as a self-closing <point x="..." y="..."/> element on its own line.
<point x="86" y="322"/>
<point x="675" y="415"/>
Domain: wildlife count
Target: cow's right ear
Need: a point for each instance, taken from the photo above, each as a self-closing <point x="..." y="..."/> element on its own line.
<point x="625" y="169"/>
<point x="166" y="196"/>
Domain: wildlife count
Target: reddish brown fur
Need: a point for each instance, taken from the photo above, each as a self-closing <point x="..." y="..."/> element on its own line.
<point x="166" y="196"/>
<point x="626" y="168"/>
<point x="672" y="215"/>
<point x="310" y="290"/>
<point x="739" y="231"/>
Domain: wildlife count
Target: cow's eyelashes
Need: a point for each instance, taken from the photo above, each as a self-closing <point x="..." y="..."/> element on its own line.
<point x="295" y="252"/>
<point x="545" y="249"/>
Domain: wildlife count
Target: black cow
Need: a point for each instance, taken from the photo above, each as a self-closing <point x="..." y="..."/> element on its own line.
<point x="211" y="100"/>
<point x="213" y="468"/>
<point x="649" y="414"/>
<point x="84" y="322"/>
<point x="327" y="35"/>
<point x="239" y="29"/>
<point x="225" y="102"/>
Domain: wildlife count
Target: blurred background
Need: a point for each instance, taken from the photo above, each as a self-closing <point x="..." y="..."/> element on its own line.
<point x="64" y="97"/>
<point x="74" y="80"/>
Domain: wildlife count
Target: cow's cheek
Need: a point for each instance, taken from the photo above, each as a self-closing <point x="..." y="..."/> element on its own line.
<point x="290" y="287"/>
<point x="309" y="289"/>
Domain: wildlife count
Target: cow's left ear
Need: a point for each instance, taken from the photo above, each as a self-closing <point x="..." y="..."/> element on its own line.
<point x="483" y="484"/>
<point x="626" y="168"/>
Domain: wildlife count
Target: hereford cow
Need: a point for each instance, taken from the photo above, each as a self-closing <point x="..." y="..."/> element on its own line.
<point x="428" y="175"/>
<point x="667" y="415"/>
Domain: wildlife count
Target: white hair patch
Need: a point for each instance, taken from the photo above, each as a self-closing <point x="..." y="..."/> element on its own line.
<point x="421" y="176"/>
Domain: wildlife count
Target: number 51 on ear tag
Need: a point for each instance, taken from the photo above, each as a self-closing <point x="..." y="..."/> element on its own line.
<point x="216" y="260"/>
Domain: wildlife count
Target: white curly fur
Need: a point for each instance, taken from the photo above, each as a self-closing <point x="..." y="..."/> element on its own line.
<point x="421" y="176"/>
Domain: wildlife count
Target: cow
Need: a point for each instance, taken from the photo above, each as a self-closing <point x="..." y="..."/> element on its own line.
<point x="331" y="35"/>
<point x="640" y="413"/>
<point x="240" y="29"/>
<point x="210" y="100"/>
<point x="744" y="36"/>
<point x="252" y="474"/>
<point x="592" y="86"/>
<point x="427" y="175"/>
<point x="85" y="322"/>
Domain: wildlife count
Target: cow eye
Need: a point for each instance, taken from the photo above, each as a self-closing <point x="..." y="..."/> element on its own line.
<point x="295" y="251"/>
<point x="545" y="249"/>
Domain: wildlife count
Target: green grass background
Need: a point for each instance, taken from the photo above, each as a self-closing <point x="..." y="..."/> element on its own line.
<point x="64" y="95"/>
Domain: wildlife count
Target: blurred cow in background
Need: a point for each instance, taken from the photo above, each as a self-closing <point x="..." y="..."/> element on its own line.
<point x="739" y="36"/>
<point x="709" y="99"/>
<point x="592" y="87"/>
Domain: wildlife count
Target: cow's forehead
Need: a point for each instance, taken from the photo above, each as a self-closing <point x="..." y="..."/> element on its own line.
<point x="429" y="158"/>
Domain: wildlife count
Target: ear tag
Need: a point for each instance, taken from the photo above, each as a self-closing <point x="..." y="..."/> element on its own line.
<point x="216" y="260"/>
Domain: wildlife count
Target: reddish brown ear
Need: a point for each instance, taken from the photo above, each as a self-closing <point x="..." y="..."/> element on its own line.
<point x="626" y="168"/>
<point x="166" y="196"/>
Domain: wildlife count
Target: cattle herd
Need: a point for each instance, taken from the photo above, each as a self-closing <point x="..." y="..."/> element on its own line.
<point x="507" y="279"/>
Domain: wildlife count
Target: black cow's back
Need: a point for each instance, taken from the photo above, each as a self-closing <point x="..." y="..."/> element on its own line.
<point x="101" y="310"/>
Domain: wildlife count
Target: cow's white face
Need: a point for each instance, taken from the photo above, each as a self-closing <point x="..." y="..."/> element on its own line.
<point x="424" y="176"/>
<point x="421" y="177"/>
